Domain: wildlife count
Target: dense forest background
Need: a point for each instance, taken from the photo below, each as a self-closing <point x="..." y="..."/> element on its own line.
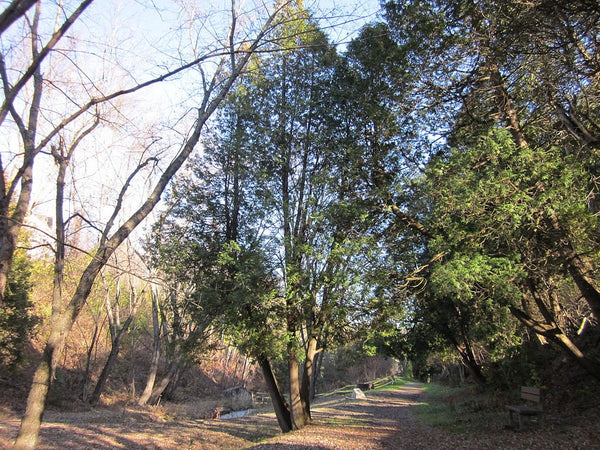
<point x="423" y="199"/>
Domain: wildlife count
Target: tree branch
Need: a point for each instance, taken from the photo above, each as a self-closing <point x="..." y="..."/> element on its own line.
<point x="411" y="222"/>
<point x="37" y="60"/>
<point x="13" y="12"/>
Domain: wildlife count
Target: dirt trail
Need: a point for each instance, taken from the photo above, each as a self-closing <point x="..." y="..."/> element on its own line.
<point x="339" y="423"/>
<point x="384" y="420"/>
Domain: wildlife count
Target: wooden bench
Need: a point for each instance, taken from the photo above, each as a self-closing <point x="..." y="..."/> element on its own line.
<point x="533" y="408"/>
<point x="261" y="397"/>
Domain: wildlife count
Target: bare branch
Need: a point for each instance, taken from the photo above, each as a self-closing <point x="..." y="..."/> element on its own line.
<point x="37" y="60"/>
<point x="119" y="204"/>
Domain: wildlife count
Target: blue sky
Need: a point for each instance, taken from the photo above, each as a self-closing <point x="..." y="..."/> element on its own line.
<point x="343" y="18"/>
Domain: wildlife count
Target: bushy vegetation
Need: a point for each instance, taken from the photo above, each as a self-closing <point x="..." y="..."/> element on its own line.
<point x="17" y="320"/>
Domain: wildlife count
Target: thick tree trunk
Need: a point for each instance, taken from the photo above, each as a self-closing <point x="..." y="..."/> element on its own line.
<point x="579" y="268"/>
<point x="468" y="358"/>
<point x="473" y="367"/>
<point x="282" y="410"/>
<point x="296" y="407"/>
<point x="171" y="376"/>
<point x="14" y="11"/>
<point x="8" y="244"/>
<point x="10" y="226"/>
<point x="161" y="386"/>
<point x="470" y="362"/>
<point x="169" y="391"/>
<point x="11" y="223"/>
<point x="315" y="374"/>
<point x="586" y="285"/>
<point x="36" y="400"/>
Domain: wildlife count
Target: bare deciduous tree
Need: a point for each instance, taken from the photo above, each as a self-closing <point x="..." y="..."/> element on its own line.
<point x="117" y="328"/>
<point x="231" y="60"/>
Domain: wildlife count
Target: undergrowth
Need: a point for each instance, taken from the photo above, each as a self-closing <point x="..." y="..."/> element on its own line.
<point x="390" y="386"/>
<point x="459" y="410"/>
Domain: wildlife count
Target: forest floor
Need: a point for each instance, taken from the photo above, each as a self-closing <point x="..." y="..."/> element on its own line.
<point x="386" y="419"/>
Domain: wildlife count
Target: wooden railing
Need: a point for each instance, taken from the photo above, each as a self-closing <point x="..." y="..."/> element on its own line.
<point x="263" y="397"/>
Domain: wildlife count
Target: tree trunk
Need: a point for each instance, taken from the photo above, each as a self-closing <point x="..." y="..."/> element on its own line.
<point x="575" y="265"/>
<point x="473" y="367"/>
<point x="245" y="367"/>
<point x="468" y="359"/>
<point x="14" y="11"/>
<point x="117" y="331"/>
<point x="145" y="397"/>
<point x="282" y="409"/>
<point x="307" y="377"/>
<point x="226" y="365"/>
<point x="580" y="269"/>
<point x="42" y="378"/>
<point x="159" y="390"/>
<point x="88" y="363"/>
<point x="315" y="375"/>
<point x="11" y="226"/>
<point x="110" y="362"/>
<point x="36" y="402"/>
<point x="296" y="407"/>
<point x="586" y="284"/>
<point x="169" y="390"/>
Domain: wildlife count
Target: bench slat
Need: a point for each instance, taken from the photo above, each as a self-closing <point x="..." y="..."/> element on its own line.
<point x="531" y="397"/>
<point x="531" y="394"/>
<point x="531" y="390"/>
<point x="525" y="410"/>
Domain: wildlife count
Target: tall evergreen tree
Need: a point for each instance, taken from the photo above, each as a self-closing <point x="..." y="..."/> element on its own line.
<point x="288" y="198"/>
<point x="512" y="185"/>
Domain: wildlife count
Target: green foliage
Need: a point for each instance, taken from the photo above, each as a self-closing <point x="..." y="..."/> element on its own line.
<point x="517" y="368"/>
<point x="306" y="191"/>
<point x="369" y="350"/>
<point x="16" y="319"/>
<point x="508" y="190"/>
<point x="467" y="125"/>
<point x="495" y="221"/>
